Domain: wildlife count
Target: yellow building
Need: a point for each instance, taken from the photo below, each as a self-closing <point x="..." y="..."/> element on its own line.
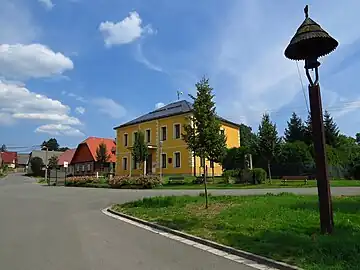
<point x="168" y="152"/>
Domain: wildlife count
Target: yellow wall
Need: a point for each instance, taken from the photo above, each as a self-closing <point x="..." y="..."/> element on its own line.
<point x="232" y="134"/>
<point x="169" y="147"/>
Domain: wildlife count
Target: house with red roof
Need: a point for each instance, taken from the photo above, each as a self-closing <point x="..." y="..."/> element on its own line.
<point x="8" y="159"/>
<point x="84" y="159"/>
<point x="64" y="161"/>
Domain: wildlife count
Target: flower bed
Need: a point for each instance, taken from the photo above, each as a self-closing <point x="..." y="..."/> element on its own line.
<point x="138" y="182"/>
<point x="125" y="182"/>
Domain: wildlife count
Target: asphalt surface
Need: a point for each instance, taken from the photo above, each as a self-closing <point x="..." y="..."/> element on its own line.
<point x="57" y="228"/>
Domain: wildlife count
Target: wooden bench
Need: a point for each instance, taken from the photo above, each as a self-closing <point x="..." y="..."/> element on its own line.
<point x="295" y="178"/>
<point x="176" y="180"/>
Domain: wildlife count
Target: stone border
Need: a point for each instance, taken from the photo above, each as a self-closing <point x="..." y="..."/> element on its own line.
<point x="229" y="251"/>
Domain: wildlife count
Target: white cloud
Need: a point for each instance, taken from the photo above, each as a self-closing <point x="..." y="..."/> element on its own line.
<point x="31" y="61"/>
<point x="17" y="24"/>
<point x="18" y="103"/>
<point x="77" y="97"/>
<point x="80" y="110"/>
<point x="140" y="57"/>
<point x="159" y="105"/>
<point x="48" y="4"/>
<point x="125" y="31"/>
<point x="109" y="107"/>
<point x="59" y="130"/>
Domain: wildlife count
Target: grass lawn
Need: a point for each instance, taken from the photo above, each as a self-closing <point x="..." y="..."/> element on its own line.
<point x="40" y="180"/>
<point x="275" y="184"/>
<point x="283" y="227"/>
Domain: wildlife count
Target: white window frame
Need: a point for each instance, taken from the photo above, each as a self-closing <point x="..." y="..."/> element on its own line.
<point x="174" y="131"/>
<point x="83" y="168"/>
<point x="166" y="161"/>
<point x="77" y="167"/>
<point x="174" y="159"/>
<point x="89" y="167"/>
<point x="146" y="139"/>
<point x="161" y="133"/>
<point x="124" y="163"/>
<point x="126" y="142"/>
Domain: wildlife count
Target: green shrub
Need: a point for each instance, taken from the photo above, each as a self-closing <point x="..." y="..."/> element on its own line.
<point x="198" y="180"/>
<point x="145" y="182"/>
<point x="259" y="175"/>
<point x="231" y="175"/>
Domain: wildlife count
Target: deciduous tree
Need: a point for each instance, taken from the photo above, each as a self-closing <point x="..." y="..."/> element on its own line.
<point x="140" y="150"/>
<point x="102" y="155"/>
<point x="51" y="144"/>
<point x="203" y="134"/>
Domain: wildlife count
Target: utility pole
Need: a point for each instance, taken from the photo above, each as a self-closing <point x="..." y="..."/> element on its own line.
<point x="46" y="164"/>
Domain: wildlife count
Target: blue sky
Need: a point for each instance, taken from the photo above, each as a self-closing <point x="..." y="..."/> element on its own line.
<point x="74" y="68"/>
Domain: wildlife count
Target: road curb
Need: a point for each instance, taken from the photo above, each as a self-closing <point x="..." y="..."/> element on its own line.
<point x="230" y="250"/>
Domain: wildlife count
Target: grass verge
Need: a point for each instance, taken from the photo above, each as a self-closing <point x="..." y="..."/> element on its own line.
<point x="283" y="227"/>
<point x="274" y="184"/>
<point x="41" y="180"/>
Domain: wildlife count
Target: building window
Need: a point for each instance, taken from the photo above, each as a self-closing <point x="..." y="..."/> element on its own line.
<point x="222" y="131"/>
<point x="134" y="164"/>
<point x="83" y="168"/>
<point x="124" y="163"/>
<point x="125" y="139"/>
<point x="177" y="131"/>
<point x="177" y="160"/>
<point x="148" y="135"/>
<point x="163" y="133"/>
<point x="89" y="167"/>
<point x="77" y="167"/>
<point x="163" y="161"/>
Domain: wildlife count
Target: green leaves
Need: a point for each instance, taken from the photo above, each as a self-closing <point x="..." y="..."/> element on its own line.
<point x="295" y="129"/>
<point x="203" y="134"/>
<point x="140" y="150"/>
<point x="102" y="155"/>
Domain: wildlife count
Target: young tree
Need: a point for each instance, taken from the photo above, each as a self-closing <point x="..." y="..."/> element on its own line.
<point x="202" y="134"/>
<point x="36" y="165"/>
<point x="3" y="148"/>
<point x="53" y="162"/>
<point x="295" y="129"/>
<point x="51" y="144"/>
<point x="140" y="150"/>
<point x="102" y="155"/>
<point x="268" y="141"/>
<point x="331" y="130"/>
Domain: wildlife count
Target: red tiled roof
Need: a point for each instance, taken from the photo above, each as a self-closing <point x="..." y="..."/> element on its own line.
<point x="66" y="156"/>
<point x="93" y="144"/>
<point x="8" y="157"/>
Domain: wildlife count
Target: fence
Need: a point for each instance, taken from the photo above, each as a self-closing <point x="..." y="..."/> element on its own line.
<point x="56" y="177"/>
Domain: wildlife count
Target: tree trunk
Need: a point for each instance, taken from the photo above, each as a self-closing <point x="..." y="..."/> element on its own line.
<point x="269" y="172"/>
<point x="206" y="193"/>
<point x="213" y="172"/>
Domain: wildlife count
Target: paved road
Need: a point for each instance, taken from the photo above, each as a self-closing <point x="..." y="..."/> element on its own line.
<point x="57" y="228"/>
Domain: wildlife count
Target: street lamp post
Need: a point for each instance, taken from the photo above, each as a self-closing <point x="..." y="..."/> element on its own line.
<point x="309" y="43"/>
